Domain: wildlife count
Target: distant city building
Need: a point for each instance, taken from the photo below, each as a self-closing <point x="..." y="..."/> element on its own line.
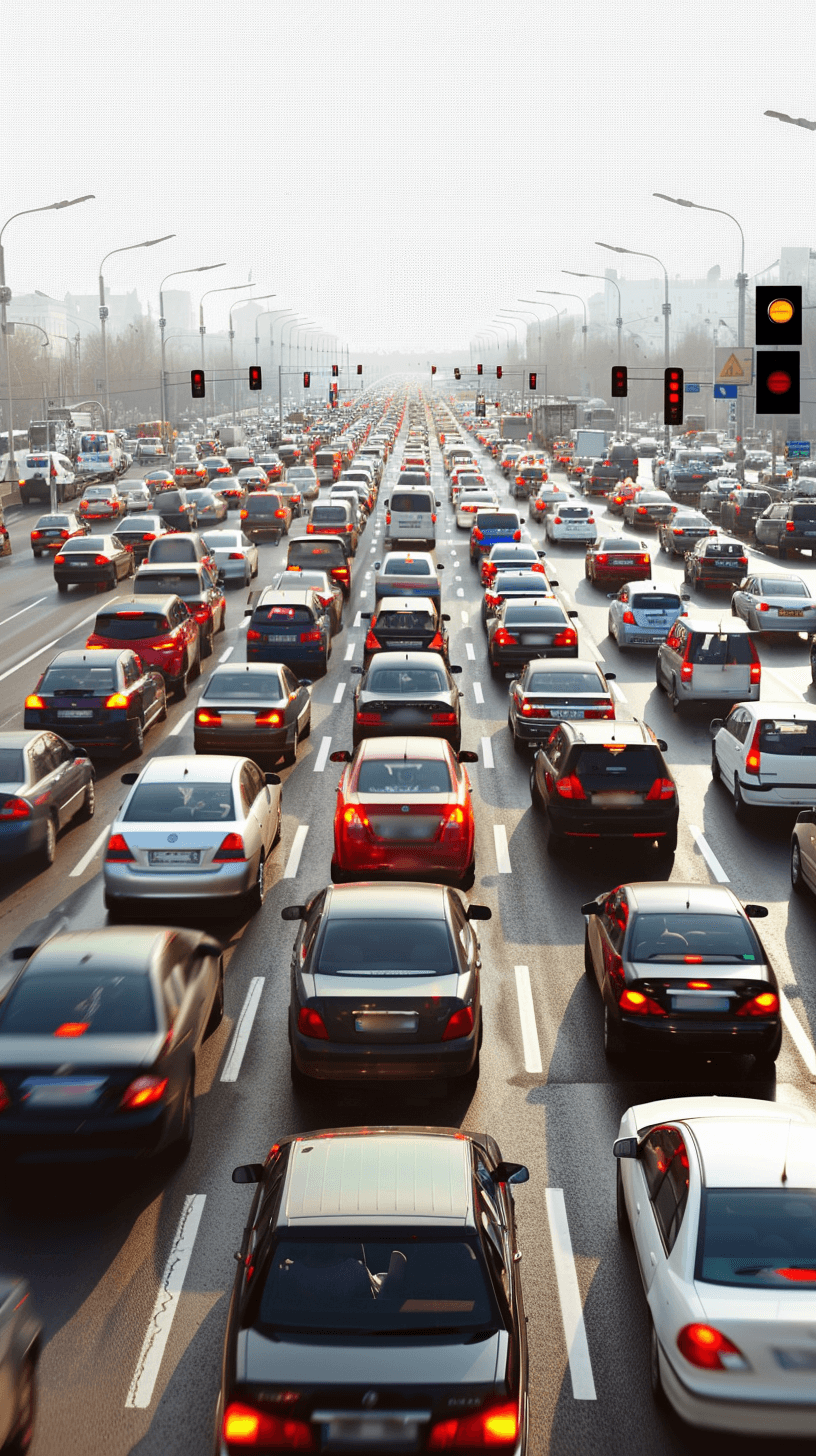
<point x="46" y="313"/>
<point x="83" y="311"/>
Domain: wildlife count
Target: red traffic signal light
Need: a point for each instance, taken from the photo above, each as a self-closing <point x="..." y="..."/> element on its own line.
<point x="255" y="376"/>
<point x="498" y="371"/>
<point x="334" y="371"/>
<point x="307" y="379"/>
<point x="779" y="314"/>
<point x="620" y="381"/>
<point x="478" y="368"/>
<point x="673" y="396"/>
<point x="433" y="369"/>
<point x="197" y="383"/>
<point x="359" y="368"/>
<point x="533" y="380"/>
<point x="777" y="381"/>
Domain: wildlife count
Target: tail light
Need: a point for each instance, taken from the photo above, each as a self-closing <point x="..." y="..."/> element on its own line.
<point x="642" y="510"/>
<point x="268" y="720"/>
<point x="368" y="718"/>
<point x="644" y="560"/>
<point x="388" y="518"/>
<point x="372" y="643"/>
<point x="492" y="600"/>
<point x="709" y="1349"/>
<point x="661" y="789"/>
<point x="280" y="512"/>
<point x="436" y="644"/>
<point x="201" y="613"/>
<point x="629" y="618"/>
<point x="765" y="1004"/>
<point x="149" y="536"/>
<point x="207" y="719"/>
<point x="59" y="559"/>
<point x="570" y="787"/>
<point x="235" y="556"/>
<point x="100" y="561"/>
<point x="495" y="1427"/>
<point x="64" y="535"/>
<point x="686" y="672"/>
<point x="341" y="572"/>
<point x="519" y="480"/>
<point x="35" y="535"/>
<point x="601" y="559"/>
<point x="253" y="636"/>
<point x="640" y="1003"/>
<point x="567" y="638"/>
<point x="790" y="526"/>
<point x="244" y="515"/>
<point x="53" y="473"/>
<point x="314" y="636"/>
<point x="244" y="1428"/>
<point x="557" y="521"/>
<point x="504" y="638"/>
<point x="756" y="672"/>
<point x="311" y="1023"/>
<point x="230" y="848"/>
<point x="5" y="1099"/>
<point x="442" y="718"/>
<point x="14" y="809"/>
<point x="34" y="701"/>
<point x="753" y="756"/>
<point x="144" y="1092"/>
<point x="117" y="850"/>
<point x="460" y="1024"/>
<point x="602" y="709"/>
<point x="117" y="700"/>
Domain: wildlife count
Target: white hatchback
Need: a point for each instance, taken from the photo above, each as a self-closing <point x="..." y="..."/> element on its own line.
<point x="765" y="754"/>
<point x="568" y="522"/>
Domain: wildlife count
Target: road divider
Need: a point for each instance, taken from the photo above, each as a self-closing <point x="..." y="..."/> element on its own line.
<point x="160" y="1323"/>
<point x="243" y="1028"/>
<point x="572" y="1312"/>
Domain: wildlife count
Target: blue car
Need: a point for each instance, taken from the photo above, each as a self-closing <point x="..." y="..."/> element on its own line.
<point x="292" y="627"/>
<point x="643" y="612"/>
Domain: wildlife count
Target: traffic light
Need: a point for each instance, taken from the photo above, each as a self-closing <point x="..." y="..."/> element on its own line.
<point x="433" y="369"/>
<point x="673" y="396"/>
<point x="777" y="381"/>
<point x="533" y="381"/>
<point x="478" y="368"/>
<point x="255" y="376"/>
<point x="457" y="374"/>
<point x="620" y="381"/>
<point x="359" y="368"/>
<point x="307" y="379"/>
<point x="498" y="371"/>
<point x="197" y="383"/>
<point x="334" y="371"/>
<point x="778" y="314"/>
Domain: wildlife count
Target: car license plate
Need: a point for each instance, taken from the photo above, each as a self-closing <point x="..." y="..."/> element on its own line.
<point x="174" y="856"/>
<point x="804" y="1360"/>
<point x="613" y="799"/>
<point x="692" y="1001"/>
<point x="406" y="644"/>
<point x="63" y="1092"/>
<point x="720" y="564"/>
<point x="624" y="561"/>
<point x="789" y="612"/>
<point x="562" y="712"/>
<point x="386" y="1021"/>
<point x="379" y="1432"/>
<point x="74" y="712"/>
<point x="277" y="637"/>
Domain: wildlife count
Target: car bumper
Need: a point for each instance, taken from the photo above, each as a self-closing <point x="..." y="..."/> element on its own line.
<point x="710" y="582"/>
<point x="234" y="570"/>
<point x="420" y="729"/>
<point x="19" y="839"/>
<point x="85" y="735"/>
<point x="735" y="1038"/>
<point x="778" y="796"/>
<point x="556" y="534"/>
<point x="248" y="742"/>
<point x="55" y="1140"/>
<point x="687" y="694"/>
<point x="606" y="825"/>
<point x="509" y="658"/>
<point x="640" y="636"/>
<point x="427" y="862"/>
<point x="784" y="626"/>
<point x="227" y="882"/>
<point x="741" y="1417"/>
<point x="623" y="574"/>
<point x="328" y="1061"/>
<point x="279" y="652"/>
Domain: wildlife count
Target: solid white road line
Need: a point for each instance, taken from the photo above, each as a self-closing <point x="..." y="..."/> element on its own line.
<point x="572" y="1313"/>
<point x="708" y="855"/>
<point x="182" y="723"/>
<point x="358" y="619"/>
<point x="338" y="692"/>
<point x="226" y="654"/>
<point x="295" y="852"/>
<point x="167" y="1300"/>
<point x="487" y="753"/>
<point x="471" y="651"/>
<point x="350" y="651"/>
<point x="243" y="1027"/>
<point x="465" y="618"/>
<point x="322" y="756"/>
<point x="529" y="1031"/>
<point x="502" y="852"/>
<point x="798" y="1034"/>
<point x="82" y="864"/>
<point x="477" y="692"/>
<point x="363" y="597"/>
<point x="22" y="609"/>
<point x="460" y="592"/>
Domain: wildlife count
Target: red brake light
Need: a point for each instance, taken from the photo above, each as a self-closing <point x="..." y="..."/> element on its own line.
<point x="557" y="521"/>
<point x="640" y="1003"/>
<point x="372" y="643"/>
<point x="790" y="526"/>
<point x="101" y="560"/>
<point x="494" y="1427"/>
<point x="570" y="787"/>
<point x="314" y="636"/>
<point x="460" y="1024"/>
<point x="629" y="618"/>
<point x="709" y="1349"/>
<point x="118" y="849"/>
<point x="686" y="671"/>
<point x="230" y="848"/>
<point x="567" y="638"/>
<point x="15" y="809"/>
<point x="765" y="1004"/>
<point x="59" y="559"/>
<point x="270" y="719"/>
<point x="245" y="1427"/>
<point x="369" y="718"/>
<point x="753" y="756"/>
<point x="253" y="636"/>
<point x="144" y="1091"/>
<point x="34" y="701"/>
<point x="661" y="789"/>
<point x="756" y="672"/>
<point x="446" y="717"/>
<point x="5" y="1099"/>
<point x="310" y="1023"/>
<point x="208" y="719"/>
<point x="504" y="638"/>
<point x="601" y="559"/>
<point x="35" y="535"/>
<point x="436" y="644"/>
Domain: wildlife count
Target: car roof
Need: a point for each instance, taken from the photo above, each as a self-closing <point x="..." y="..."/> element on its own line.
<point x="560" y="664"/>
<point x="217" y="768"/>
<point x="404" y="747"/>
<point x="21" y="739"/>
<point x="408" y="556"/>
<point x="413" y="659"/>
<point x="608" y="732"/>
<point x="128" y="948"/>
<point x="161" y="602"/>
<point x="160" y="568"/>
<point x="652" y="586"/>
<point x="721" y="625"/>
<point x="675" y="897"/>
<point x="378" y="1178"/>
<point x="252" y="669"/>
<point x="406" y="604"/>
<point x="105" y="656"/>
<point x="743" y="1143"/>
<point x="303" y="597"/>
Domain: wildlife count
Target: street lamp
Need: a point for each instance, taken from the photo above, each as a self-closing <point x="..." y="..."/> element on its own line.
<point x="558" y="294"/>
<point x="5" y="299"/>
<point x="792" y="120"/>
<point x="604" y="279"/>
<point x="228" y="288"/>
<point x="260" y="299"/>
<point x="205" y="268"/>
<point x="635" y="253"/>
<point x="103" y="309"/>
<point x="273" y="313"/>
<point x="742" y="284"/>
<point x="300" y="322"/>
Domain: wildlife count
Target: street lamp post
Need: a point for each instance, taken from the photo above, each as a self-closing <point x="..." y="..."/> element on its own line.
<point x="618" y="321"/>
<point x="5" y="299"/>
<point x="289" y="324"/>
<point x="636" y="253"/>
<point x="274" y="313"/>
<point x="536" y="303"/>
<point x="205" y="268"/>
<point x="261" y="299"/>
<point x="558" y="294"/>
<point x="228" y="288"/>
<point x="103" y="308"/>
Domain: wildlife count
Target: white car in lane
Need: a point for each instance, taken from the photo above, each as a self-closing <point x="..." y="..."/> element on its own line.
<point x="471" y="501"/>
<point x="718" y="1196"/>
<point x="570" y="522"/>
<point x="765" y="753"/>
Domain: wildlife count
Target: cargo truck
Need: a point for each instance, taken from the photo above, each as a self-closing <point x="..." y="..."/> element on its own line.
<point x="514" y="427"/>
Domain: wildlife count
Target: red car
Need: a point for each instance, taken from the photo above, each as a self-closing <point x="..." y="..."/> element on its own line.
<point x="159" y="630"/>
<point x="614" y="560"/>
<point x="621" y="497"/>
<point x="191" y="473"/>
<point x="404" y="810"/>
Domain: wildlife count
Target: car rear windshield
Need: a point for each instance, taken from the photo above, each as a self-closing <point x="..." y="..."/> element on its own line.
<point x="246" y="687"/>
<point x="283" y="614"/>
<point x="46" y="521"/>
<point x="302" y="552"/>
<point x="787" y="737"/>
<point x="406" y="621"/>
<point x="497" y="521"/>
<point x="708" y="649"/>
<point x="173" y="548"/>
<point x="181" y="584"/>
<point x="84" y="544"/>
<point x="724" y="548"/>
<point x="261" y="503"/>
<point x="330" y="515"/>
<point x="186" y="803"/>
<point x="323" y="1287"/>
<point x="656" y="602"/>
<point x="518" y="614"/>
<point x="760" y="1238"/>
<point x="805" y="512"/>
<point x="407" y="568"/>
<point x="131" y="626"/>
<point x="11" y="766"/>
<point x="407" y="680"/>
<point x="403" y="500"/>
<point x="83" y="678"/>
<point x="780" y="587"/>
<point x="675" y="937"/>
<point x="628" y="767"/>
<point x="381" y="946"/>
<point x="404" y="776"/>
<point x="79" y="1003"/>
<point x="564" y="682"/>
<point x="574" y="513"/>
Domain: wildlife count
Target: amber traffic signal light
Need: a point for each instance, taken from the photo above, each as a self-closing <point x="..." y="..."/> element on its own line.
<point x="255" y="376"/>
<point x="620" y="381"/>
<point x="197" y="383"/>
<point x="778" y="315"/>
<point x="673" y="396"/>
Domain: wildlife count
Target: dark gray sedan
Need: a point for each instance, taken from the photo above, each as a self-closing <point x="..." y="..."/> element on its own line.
<point x="681" y="532"/>
<point x="45" y="783"/>
<point x="260" y="709"/>
<point x="407" y="692"/>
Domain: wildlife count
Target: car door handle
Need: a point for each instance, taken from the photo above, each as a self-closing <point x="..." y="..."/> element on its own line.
<point x="517" y="1256"/>
<point x="652" y="1259"/>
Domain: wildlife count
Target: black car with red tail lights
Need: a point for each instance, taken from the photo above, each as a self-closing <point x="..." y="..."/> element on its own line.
<point x="407" y="692"/>
<point x="548" y="691"/>
<point x="409" y="623"/>
<point x="682" y="966"/>
<point x="398" y="1327"/>
<point x="102" y="698"/>
<point x="529" y="627"/>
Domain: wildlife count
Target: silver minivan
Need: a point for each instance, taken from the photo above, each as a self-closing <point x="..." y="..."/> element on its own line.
<point x="411" y="516"/>
<point x="705" y="659"/>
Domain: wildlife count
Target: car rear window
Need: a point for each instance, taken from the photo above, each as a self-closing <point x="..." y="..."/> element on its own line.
<point x="131" y="626"/>
<point x="709" y="649"/>
<point x="407" y="679"/>
<point x="384" y="946"/>
<point x="724" y="548"/>
<point x="60" y="521"/>
<point x="564" y="682"/>
<point x="410" y="501"/>
<point x="759" y="1238"/>
<point x="783" y="587"/>
<point x="323" y="549"/>
<point x="498" y="521"/>
<point x="187" y="803"/>
<point x="79" y="1003"/>
<point x="617" y="766"/>
<point x="655" y="602"/>
<point x="11" y="766"/>
<point x="521" y="614"/>
<point x="574" y="513"/>
<point x="173" y="548"/>
<point x="283" y="614"/>
<point x="85" y="544"/>
<point x="330" y="515"/>
<point x="804" y="512"/>
<point x="787" y="737"/>
<point x="404" y="776"/>
<point x="245" y="687"/>
<point x="403" y="621"/>
<point x="181" y="584"/>
<point x="407" y="568"/>
<point x="83" y="678"/>
<point x="673" y="937"/>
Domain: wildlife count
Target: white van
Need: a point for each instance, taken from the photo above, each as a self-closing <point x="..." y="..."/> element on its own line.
<point x="38" y="469"/>
<point x="410" y="515"/>
<point x="100" y="453"/>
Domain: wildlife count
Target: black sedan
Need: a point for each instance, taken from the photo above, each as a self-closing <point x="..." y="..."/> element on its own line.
<point x="411" y="623"/>
<point x="99" y="1035"/>
<point x="393" y="1328"/>
<point x="20" y="1343"/>
<point x="93" y="561"/>
<point x="211" y="507"/>
<point x="45" y="783"/>
<point x="104" y="699"/>
<point x="260" y="709"/>
<point x="682" y="966"/>
<point x="549" y="691"/>
<point x="408" y="952"/>
<point x="532" y="627"/>
<point x="51" y="531"/>
<point x="407" y="692"/>
<point x="139" y="532"/>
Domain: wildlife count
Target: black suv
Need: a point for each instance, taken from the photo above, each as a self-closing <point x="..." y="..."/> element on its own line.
<point x="405" y="623"/>
<point x="739" y="513"/>
<point x="600" y="479"/>
<point x="626" y="457"/>
<point x="789" y="526"/>
<point x="605" y="781"/>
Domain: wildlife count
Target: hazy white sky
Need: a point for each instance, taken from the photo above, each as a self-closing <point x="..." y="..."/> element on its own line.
<point x="400" y="172"/>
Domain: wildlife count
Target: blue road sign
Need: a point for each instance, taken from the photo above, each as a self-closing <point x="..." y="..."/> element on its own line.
<point x="798" y="449"/>
<point x="725" y="391"/>
<point x="692" y="389"/>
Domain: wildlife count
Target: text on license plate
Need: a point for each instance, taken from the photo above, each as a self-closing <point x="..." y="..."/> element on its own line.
<point x="789" y="612"/>
<point x="694" y="1002"/>
<point x="74" y="712"/>
<point x="65" y="1092"/>
<point x="174" y="856"/>
<point x="277" y="637"/>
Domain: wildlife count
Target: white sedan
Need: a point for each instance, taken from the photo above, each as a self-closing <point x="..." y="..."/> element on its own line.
<point x="408" y="574"/>
<point x="568" y="522"/>
<point x="469" y="502"/>
<point x="718" y="1195"/>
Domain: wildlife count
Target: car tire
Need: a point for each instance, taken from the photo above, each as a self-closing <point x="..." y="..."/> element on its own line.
<point x="796" y="876"/>
<point x="48" y="851"/>
<point x="471" y="1078"/>
<point x="110" y="584"/>
<point x="257" y="894"/>
<point x="467" y="880"/>
<point x="23" y="1432"/>
<point x="556" y="843"/>
<point x="740" y="806"/>
<point x="137" y="741"/>
<point x="612" y="1041"/>
<point x="674" y="696"/>
<point x="89" y="802"/>
<point x="181" y="686"/>
<point x="308" y="729"/>
<point x="183" y="1143"/>
<point x="624" y="1226"/>
<point x="716" y="771"/>
<point x="217" y="1012"/>
<point x="589" y="966"/>
<point x="655" y="1381"/>
<point x="518" y="746"/>
<point x="290" y="756"/>
<point x="299" y="1080"/>
<point x="62" y="587"/>
<point x="207" y="645"/>
<point x="222" y="626"/>
<point x="37" y="554"/>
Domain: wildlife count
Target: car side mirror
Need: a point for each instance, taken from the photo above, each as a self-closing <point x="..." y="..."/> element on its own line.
<point x="248" y="1173"/>
<point x="684" y="597"/>
<point x="129" y="778"/>
<point x="272" y="778"/>
<point x="453" y="668"/>
<point x="340" y="755"/>
<point x="467" y="756"/>
<point x="610" y="676"/>
<point x="511" y="1173"/>
<point x="445" y="617"/>
<point x="541" y="554"/>
<point x="572" y="613"/>
<point x="592" y="907"/>
<point x="757" y="912"/>
<point x="479" y="912"/>
<point x="662" y="745"/>
<point x="806" y="816"/>
<point x="358" y="671"/>
<point x="293" y="912"/>
<point x="715" y="725"/>
<point x="624" y="1148"/>
<point x="377" y="565"/>
<point x="365" y="616"/>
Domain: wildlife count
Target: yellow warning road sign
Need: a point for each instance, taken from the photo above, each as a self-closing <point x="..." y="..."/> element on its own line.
<point x="734" y="366"/>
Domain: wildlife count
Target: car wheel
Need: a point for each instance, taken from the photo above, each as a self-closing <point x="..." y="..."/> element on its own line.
<point x="110" y="583"/>
<point x="184" y="1141"/>
<point x="89" y="802"/>
<point x="674" y="696"/>
<point x="624" y="1226"/>
<point x="38" y="554"/>
<point x="23" y="1433"/>
<point x="217" y="1013"/>
<point x="308" y="729"/>
<point x="256" y="895"/>
<point x="194" y="669"/>
<point x="181" y="685"/>
<point x="471" y="1078"/>
<point x="290" y="756"/>
<point x="612" y="1040"/>
<point x="137" y="741"/>
<point x="716" y="771"/>
<point x="49" y="848"/>
<point x="655" y="1381"/>
<point x="467" y="880"/>
<point x="207" y="645"/>
<point x="518" y="746"/>
<point x="556" y="843"/>
<point x="740" y="807"/>
<point x="279" y="825"/>
<point x="62" y="587"/>
<point x="797" y="878"/>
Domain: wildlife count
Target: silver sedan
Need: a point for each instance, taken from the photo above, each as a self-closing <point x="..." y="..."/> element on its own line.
<point x="775" y="604"/>
<point x="197" y="828"/>
<point x="234" y="554"/>
<point x="682" y="532"/>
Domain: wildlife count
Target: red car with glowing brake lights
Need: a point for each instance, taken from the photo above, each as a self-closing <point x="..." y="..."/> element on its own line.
<point x="614" y="560"/>
<point x="404" y="810"/>
<point x="159" y="629"/>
